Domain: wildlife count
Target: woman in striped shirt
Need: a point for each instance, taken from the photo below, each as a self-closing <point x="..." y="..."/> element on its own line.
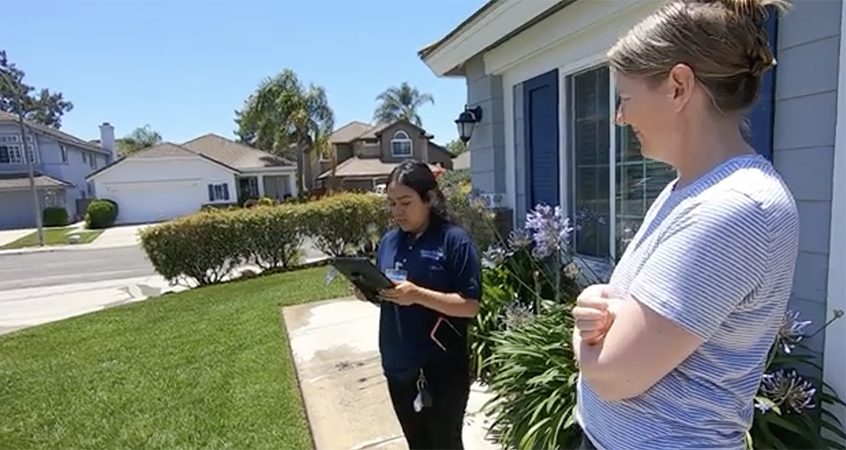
<point x="672" y="350"/>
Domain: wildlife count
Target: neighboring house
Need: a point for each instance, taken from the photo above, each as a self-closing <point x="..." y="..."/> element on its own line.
<point x="60" y="164"/>
<point x="538" y="71"/>
<point x="170" y="180"/>
<point x="366" y="154"/>
<point x="462" y="161"/>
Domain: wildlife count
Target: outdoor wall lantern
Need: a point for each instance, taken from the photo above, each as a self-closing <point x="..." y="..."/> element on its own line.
<point x="467" y="120"/>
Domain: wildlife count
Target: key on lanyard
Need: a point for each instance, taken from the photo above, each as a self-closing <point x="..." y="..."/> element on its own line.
<point x="423" y="398"/>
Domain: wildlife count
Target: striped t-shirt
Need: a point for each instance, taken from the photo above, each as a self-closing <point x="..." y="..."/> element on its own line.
<point x="717" y="258"/>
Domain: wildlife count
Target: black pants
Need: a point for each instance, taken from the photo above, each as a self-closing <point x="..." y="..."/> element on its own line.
<point x="439" y="426"/>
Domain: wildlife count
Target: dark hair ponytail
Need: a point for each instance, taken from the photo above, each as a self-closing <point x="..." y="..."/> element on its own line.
<point x="417" y="176"/>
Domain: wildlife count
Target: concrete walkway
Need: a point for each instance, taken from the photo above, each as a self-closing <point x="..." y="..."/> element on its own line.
<point x="335" y="349"/>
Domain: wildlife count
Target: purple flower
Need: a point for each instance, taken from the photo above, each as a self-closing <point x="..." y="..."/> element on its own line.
<point x="792" y="330"/>
<point x="784" y="387"/>
<point x="550" y="230"/>
<point x="494" y="256"/>
<point x="517" y="314"/>
<point x="519" y="239"/>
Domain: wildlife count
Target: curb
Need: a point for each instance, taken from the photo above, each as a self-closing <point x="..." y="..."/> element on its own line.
<point x="59" y="248"/>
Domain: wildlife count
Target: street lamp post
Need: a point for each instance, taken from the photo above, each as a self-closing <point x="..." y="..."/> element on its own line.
<point x="29" y="161"/>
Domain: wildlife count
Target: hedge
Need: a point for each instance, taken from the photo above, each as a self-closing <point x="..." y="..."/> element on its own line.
<point x="101" y="214"/>
<point x="55" y="216"/>
<point x="208" y="245"/>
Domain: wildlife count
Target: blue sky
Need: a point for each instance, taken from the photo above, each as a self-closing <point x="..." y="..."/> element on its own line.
<point x="184" y="66"/>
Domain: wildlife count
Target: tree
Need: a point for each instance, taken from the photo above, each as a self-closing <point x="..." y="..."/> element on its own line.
<point x="456" y="147"/>
<point x="44" y="107"/>
<point x="284" y="117"/>
<point x="140" y="138"/>
<point x="402" y="102"/>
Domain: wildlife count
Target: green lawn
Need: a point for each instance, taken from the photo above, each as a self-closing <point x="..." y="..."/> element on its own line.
<point x="207" y="368"/>
<point x="52" y="236"/>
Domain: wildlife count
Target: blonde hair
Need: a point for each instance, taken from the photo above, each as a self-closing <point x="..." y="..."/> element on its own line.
<point x="724" y="42"/>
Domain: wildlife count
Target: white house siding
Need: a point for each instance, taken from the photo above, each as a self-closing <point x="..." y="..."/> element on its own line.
<point x="156" y="189"/>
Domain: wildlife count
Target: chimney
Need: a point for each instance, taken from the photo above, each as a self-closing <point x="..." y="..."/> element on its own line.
<point x="107" y="139"/>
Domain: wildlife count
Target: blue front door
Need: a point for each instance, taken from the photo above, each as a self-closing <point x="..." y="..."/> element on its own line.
<point x="760" y="135"/>
<point x="540" y="103"/>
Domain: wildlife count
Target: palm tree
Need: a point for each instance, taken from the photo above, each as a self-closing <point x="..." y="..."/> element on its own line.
<point x="283" y="117"/>
<point x="401" y="102"/>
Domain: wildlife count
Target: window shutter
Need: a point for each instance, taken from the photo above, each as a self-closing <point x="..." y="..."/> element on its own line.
<point x="226" y="191"/>
<point x="211" y="192"/>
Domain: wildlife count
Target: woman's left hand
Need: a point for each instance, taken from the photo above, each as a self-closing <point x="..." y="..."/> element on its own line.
<point x="404" y="293"/>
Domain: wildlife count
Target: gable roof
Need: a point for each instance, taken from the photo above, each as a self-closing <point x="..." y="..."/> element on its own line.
<point x="364" y="168"/>
<point x="20" y="181"/>
<point x="60" y="136"/>
<point x="359" y="130"/>
<point x="234" y="154"/>
<point x="349" y="132"/>
<point x="163" y="150"/>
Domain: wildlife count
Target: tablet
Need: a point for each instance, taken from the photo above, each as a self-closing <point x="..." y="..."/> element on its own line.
<point x="363" y="275"/>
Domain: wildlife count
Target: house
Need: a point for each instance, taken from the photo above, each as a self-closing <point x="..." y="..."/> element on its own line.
<point x="366" y="154"/>
<point x="537" y="70"/>
<point x="170" y="180"/>
<point x="462" y="161"/>
<point x="60" y="164"/>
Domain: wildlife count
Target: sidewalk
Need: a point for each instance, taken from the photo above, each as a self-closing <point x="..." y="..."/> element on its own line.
<point x="120" y="236"/>
<point x="23" y="308"/>
<point x="335" y="349"/>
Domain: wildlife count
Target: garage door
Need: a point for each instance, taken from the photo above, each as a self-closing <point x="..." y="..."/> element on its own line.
<point x="155" y="201"/>
<point x="17" y="210"/>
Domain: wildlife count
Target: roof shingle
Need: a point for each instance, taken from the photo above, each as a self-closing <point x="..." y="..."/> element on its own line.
<point x="234" y="154"/>
<point x="57" y="134"/>
<point x="18" y="181"/>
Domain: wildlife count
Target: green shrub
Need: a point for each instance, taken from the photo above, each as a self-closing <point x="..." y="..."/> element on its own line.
<point x="266" y="201"/>
<point x="467" y="209"/>
<point x="346" y="223"/>
<point x="204" y="247"/>
<point x="101" y="214"/>
<point x="533" y="379"/>
<point x="273" y="236"/>
<point x="55" y="216"/>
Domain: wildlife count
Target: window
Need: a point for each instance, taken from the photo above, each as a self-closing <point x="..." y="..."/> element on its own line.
<point x="589" y="196"/>
<point x="218" y="192"/>
<point x="401" y="145"/>
<point x="11" y="150"/>
<point x="636" y="181"/>
<point x="64" y="151"/>
<point x="84" y="158"/>
<point x="92" y="161"/>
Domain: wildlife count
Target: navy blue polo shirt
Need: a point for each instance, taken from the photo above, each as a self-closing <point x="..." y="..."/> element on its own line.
<point x="444" y="259"/>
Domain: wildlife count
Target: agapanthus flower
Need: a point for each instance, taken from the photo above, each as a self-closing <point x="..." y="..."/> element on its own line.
<point x="550" y="230"/>
<point x="494" y="256"/>
<point x="519" y="239"/>
<point x="517" y="314"/>
<point x="783" y="387"/>
<point x="792" y="330"/>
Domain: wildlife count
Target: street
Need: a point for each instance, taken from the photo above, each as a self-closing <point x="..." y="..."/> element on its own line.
<point x="46" y="286"/>
<point x="42" y="269"/>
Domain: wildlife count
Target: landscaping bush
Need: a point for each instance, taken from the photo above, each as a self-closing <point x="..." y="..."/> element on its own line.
<point x="266" y="201"/>
<point x="346" y="223"/>
<point x="55" y="216"/>
<point x="520" y="345"/>
<point x="204" y="247"/>
<point x="467" y="209"/>
<point x="274" y="236"/>
<point x="534" y="379"/>
<point x="101" y="213"/>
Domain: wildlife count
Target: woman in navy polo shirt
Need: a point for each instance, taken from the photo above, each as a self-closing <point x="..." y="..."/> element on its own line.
<point x="423" y="324"/>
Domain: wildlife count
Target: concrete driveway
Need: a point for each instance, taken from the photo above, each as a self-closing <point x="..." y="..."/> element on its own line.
<point x="119" y="236"/>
